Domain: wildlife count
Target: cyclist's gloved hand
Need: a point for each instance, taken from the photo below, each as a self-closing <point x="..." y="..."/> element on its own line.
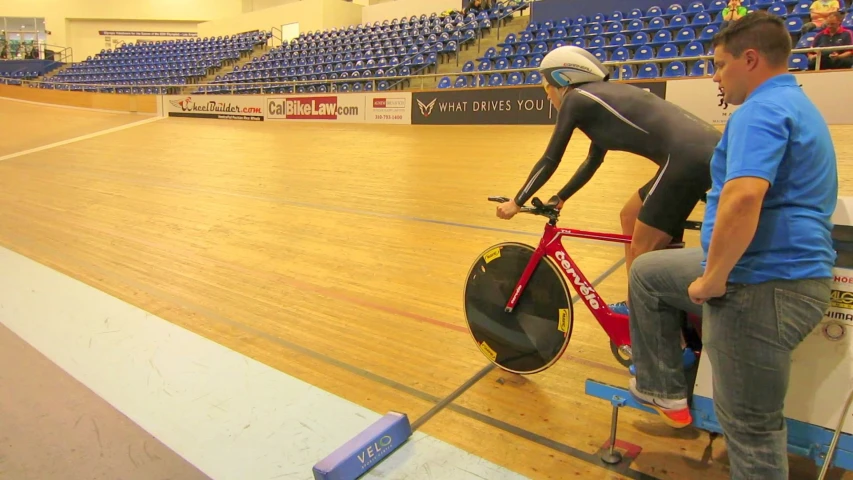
<point x="555" y="202"/>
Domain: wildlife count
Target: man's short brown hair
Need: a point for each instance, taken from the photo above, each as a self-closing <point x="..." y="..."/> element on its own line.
<point x="757" y="30"/>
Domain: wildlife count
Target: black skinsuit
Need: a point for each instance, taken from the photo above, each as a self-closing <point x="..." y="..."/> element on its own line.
<point x="623" y="117"/>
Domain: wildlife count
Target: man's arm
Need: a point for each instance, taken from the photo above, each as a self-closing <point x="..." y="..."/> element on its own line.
<point x="550" y="160"/>
<point x="848" y="41"/>
<point x="756" y="144"/>
<point x="584" y="173"/>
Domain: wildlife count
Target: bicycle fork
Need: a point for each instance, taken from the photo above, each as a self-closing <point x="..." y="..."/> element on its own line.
<point x="525" y="277"/>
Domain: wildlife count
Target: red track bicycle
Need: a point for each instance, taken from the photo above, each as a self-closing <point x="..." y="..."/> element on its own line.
<point x="518" y="304"/>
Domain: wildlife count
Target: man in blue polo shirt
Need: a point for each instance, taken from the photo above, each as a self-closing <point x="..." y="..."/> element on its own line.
<point x="762" y="278"/>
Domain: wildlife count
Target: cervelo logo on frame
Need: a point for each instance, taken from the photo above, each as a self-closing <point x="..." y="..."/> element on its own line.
<point x="585" y="289"/>
<point x="311" y="108"/>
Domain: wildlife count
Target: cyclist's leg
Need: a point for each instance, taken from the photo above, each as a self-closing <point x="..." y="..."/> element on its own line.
<point x="668" y="201"/>
<point x="628" y="220"/>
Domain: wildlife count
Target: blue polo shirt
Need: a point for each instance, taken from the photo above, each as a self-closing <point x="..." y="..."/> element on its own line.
<point x="779" y="135"/>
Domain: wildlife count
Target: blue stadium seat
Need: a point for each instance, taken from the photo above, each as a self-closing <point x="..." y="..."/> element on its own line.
<point x="597" y="42"/>
<point x="779" y="9"/>
<point x="801" y="9"/>
<point x="594" y="30"/>
<point x="514" y="78"/>
<point x="806" y="40"/>
<point x="698" y="69"/>
<point x="668" y="51"/>
<point x="678" y="22"/>
<point x="696" y="7"/>
<point x="649" y="70"/>
<point x="653" y="12"/>
<point x="685" y="35"/>
<point x="798" y="61"/>
<point x="535" y="61"/>
<point x="634" y="13"/>
<point x="620" y="55"/>
<point x="461" y="82"/>
<point x="694" y="49"/>
<point x="533" y="78"/>
<point x="635" y="25"/>
<point x="661" y="37"/>
<point x="625" y="72"/>
<point x="639" y="39"/>
<point x="613" y="28"/>
<point x="617" y="41"/>
<point x="794" y="24"/>
<point x="674" y="70"/>
<point x="616" y="16"/>
<point x="673" y="10"/>
<point x="716" y="6"/>
<point x="644" y="53"/>
<point x="701" y="19"/>
<point x="655" y="24"/>
<point x="708" y="33"/>
<point x="600" y="54"/>
<point x="496" y="80"/>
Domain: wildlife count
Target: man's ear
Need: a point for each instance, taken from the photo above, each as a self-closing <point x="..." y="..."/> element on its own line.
<point x="752" y="59"/>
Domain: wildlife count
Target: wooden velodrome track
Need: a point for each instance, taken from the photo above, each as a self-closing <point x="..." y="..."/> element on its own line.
<point x="337" y="254"/>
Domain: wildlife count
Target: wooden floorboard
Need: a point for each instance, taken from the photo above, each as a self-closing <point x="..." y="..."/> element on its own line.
<point x="338" y="253"/>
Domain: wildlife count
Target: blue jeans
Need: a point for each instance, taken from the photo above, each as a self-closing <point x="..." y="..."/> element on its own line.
<point x="748" y="334"/>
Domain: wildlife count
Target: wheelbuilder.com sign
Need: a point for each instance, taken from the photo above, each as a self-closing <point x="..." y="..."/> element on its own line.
<point x="491" y="106"/>
<point x="221" y="107"/>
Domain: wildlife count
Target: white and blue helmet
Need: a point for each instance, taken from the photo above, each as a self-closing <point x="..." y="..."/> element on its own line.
<point x="571" y="65"/>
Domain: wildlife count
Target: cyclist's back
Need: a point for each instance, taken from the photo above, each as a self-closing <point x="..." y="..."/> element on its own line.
<point x="623" y="117"/>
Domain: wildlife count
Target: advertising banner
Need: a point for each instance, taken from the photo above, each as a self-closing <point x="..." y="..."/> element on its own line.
<point x="503" y="106"/>
<point x="831" y="94"/>
<point x="700" y="97"/>
<point x="389" y="107"/>
<point x="221" y="107"/>
<point x="322" y="107"/>
<point x="491" y="106"/>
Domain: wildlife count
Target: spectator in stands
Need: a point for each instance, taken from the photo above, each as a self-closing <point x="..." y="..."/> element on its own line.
<point x="820" y="9"/>
<point x="477" y="6"/>
<point x="733" y="11"/>
<point x="834" y="35"/>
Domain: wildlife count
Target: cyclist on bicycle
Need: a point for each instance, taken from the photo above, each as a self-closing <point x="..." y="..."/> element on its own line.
<point x="622" y="117"/>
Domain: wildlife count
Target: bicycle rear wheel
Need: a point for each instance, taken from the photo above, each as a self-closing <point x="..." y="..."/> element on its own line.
<point x="536" y="333"/>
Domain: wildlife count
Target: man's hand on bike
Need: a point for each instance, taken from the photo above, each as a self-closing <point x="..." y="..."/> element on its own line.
<point x="507" y="210"/>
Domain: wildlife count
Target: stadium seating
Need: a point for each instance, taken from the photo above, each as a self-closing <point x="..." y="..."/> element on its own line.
<point x="372" y="56"/>
<point x="660" y="41"/>
<point x="665" y="40"/>
<point x="12" y="72"/>
<point x="142" y="67"/>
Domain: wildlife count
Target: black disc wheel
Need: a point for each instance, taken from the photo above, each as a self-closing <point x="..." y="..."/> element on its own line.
<point x="535" y="334"/>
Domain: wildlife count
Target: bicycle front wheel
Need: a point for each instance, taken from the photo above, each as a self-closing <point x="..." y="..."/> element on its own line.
<point x="535" y="334"/>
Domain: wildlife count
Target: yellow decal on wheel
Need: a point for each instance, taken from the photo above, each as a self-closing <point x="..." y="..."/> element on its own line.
<point x="488" y="352"/>
<point x="492" y="254"/>
<point x="563" y="326"/>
